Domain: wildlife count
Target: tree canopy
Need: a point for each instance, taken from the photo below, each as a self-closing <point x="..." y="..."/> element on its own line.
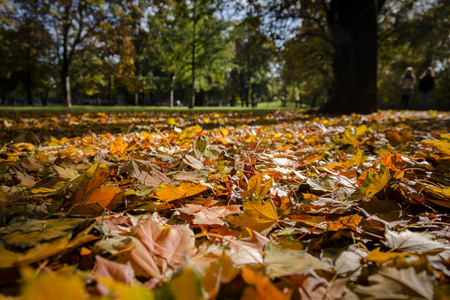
<point x="221" y="52"/>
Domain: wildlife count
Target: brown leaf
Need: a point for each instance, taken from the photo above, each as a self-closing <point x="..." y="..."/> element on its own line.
<point x="110" y="269"/>
<point x="25" y="179"/>
<point x="153" y="178"/>
<point x="159" y="247"/>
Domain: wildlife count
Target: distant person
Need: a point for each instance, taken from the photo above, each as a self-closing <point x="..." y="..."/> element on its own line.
<point x="426" y="85"/>
<point x="254" y="102"/>
<point x="99" y="101"/>
<point x="407" y="83"/>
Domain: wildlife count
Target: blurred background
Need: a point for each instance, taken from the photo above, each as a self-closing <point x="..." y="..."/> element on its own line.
<point x="207" y="53"/>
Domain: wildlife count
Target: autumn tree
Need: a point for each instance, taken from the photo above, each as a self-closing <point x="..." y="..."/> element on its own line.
<point x="254" y="56"/>
<point x="25" y="47"/>
<point x="351" y="28"/>
<point x="74" y="26"/>
<point x="207" y="38"/>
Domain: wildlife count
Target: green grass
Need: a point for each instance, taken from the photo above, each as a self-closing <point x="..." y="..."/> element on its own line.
<point x="88" y="108"/>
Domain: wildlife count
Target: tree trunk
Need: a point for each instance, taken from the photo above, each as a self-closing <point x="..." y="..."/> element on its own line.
<point x="65" y="83"/>
<point x="136" y="98"/>
<point x="192" y="104"/>
<point x="28" y="78"/>
<point x="171" y="97"/>
<point x="353" y="24"/>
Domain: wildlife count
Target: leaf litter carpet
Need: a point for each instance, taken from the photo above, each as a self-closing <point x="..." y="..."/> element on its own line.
<point x="249" y="205"/>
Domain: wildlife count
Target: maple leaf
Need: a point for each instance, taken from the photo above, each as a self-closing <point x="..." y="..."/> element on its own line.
<point x="258" y="186"/>
<point x="257" y="215"/>
<point x="376" y="182"/>
<point x="25" y="179"/>
<point x="110" y="269"/>
<point x="170" y="193"/>
<point x="209" y="215"/>
<point x="107" y="196"/>
<point x="92" y="179"/>
<point x="397" y="137"/>
<point x="390" y="283"/>
<point x="412" y="241"/>
<point x="118" y="146"/>
<point x="282" y="261"/>
<point x="66" y="173"/>
<point x="263" y="287"/>
<point x="158" y="247"/>
<point x="153" y="178"/>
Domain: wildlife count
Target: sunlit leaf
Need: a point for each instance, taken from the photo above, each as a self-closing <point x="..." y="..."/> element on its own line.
<point x="376" y="182"/>
<point x="265" y="289"/>
<point x="169" y="193"/>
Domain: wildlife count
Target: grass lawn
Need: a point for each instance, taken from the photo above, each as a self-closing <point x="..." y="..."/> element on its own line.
<point x="88" y="108"/>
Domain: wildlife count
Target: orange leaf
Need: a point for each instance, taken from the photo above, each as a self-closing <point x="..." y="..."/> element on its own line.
<point x="93" y="178"/>
<point x="169" y="193"/>
<point x="347" y="222"/>
<point x="117" y="146"/>
<point x="265" y="289"/>
<point x="107" y="196"/>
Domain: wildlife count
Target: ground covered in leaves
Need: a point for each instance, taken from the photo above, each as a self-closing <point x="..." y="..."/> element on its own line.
<point x="225" y="206"/>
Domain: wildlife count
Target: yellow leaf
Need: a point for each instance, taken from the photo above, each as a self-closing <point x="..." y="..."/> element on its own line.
<point x="397" y="137"/>
<point x="118" y="146"/>
<point x="346" y="222"/>
<point x="54" y="286"/>
<point x="169" y="193"/>
<point x="10" y="259"/>
<point x="257" y="186"/>
<point x="350" y="138"/>
<point x="265" y="289"/>
<point x="187" y="285"/>
<point x="380" y="257"/>
<point x="66" y="173"/>
<point x="442" y="146"/>
<point x="376" y="182"/>
<point x="119" y="290"/>
<point x="171" y="121"/>
<point x="259" y="216"/>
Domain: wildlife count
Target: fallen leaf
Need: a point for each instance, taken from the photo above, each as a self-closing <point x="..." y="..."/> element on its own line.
<point x="408" y="241"/>
<point x="169" y="193"/>
<point x="159" y="247"/>
<point x="110" y="269"/>
<point x="281" y="261"/>
<point x="265" y="289"/>
<point x="105" y="197"/>
<point x="257" y="215"/>
<point x="376" y="182"/>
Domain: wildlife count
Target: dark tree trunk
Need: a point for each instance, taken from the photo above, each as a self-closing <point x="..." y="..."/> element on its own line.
<point x="28" y="78"/>
<point x="65" y="83"/>
<point x="44" y="97"/>
<point x="353" y="24"/>
<point x="192" y="104"/>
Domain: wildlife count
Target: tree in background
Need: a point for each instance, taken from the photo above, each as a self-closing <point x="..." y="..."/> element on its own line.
<point x="254" y="57"/>
<point x="25" y="47"/>
<point x="154" y="49"/>
<point x="74" y="26"/>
